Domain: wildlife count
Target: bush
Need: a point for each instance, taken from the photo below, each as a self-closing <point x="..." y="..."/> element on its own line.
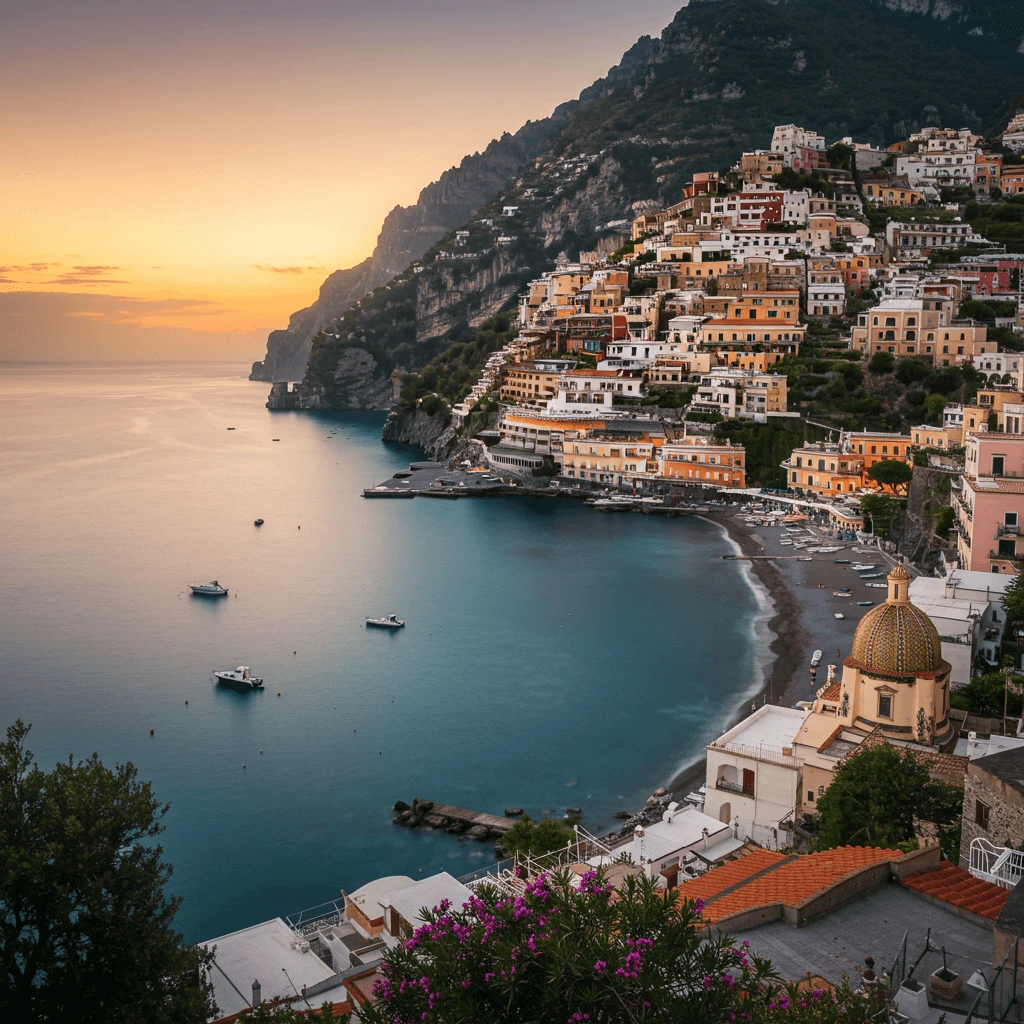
<point x="911" y="370"/>
<point x="566" y="950"/>
<point x="882" y="362"/>
<point x="525" y="837"/>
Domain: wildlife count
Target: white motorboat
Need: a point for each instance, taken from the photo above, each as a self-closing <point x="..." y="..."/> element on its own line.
<point x="840" y="615"/>
<point x="239" y="678"/>
<point x="386" y="622"/>
<point x="816" y="659"/>
<point x="211" y="589"/>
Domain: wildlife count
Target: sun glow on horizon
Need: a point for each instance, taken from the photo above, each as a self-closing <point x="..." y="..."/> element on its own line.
<point x="202" y="167"/>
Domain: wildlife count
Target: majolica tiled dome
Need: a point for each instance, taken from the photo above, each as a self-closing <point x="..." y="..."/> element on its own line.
<point x="897" y="639"/>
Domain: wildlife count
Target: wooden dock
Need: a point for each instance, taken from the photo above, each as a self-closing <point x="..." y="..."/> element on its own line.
<point x="491" y="821"/>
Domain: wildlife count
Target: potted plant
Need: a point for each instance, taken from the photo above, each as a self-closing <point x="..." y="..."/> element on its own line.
<point x="946" y="984"/>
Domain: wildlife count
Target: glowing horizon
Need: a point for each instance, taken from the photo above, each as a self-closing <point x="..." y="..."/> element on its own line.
<point x="190" y="173"/>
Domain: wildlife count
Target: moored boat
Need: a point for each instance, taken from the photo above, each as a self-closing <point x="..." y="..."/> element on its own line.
<point x="386" y="622"/>
<point x="239" y="679"/>
<point x="211" y="589"/>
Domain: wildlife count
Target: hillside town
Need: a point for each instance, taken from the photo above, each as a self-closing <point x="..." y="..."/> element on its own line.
<point x="626" y="373"/>
<point x="630" y="365"/>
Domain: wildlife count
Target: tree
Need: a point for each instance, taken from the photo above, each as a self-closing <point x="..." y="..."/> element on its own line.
<point x="86" y="931"/>
<point x="875" y="797"/>
<point x="525" y="837"/>
<point x="569" y="951"/>
<point x="984" y="695"/>
<point x="1013" y="599"/>
<point x="893" y="474"/>
<point x="882" y="362"/>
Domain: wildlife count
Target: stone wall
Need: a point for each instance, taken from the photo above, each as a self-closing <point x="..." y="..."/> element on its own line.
<point x="1005" y="816"/>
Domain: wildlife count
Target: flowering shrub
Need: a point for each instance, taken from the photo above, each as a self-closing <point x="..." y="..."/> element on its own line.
<point x="567" y="951"/>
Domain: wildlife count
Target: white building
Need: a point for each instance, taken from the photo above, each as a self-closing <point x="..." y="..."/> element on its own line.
<point x="796" y="208"/>
<point x="593" y="390"/>
<point x="967" y="610"/>
<point x="753" y="779"/>
<point x="403" y="907"/>
<point x="996" y="365"/>
<point x="945" y="157"/>
<point x="683" y="838"/>
<point x="788" y="140"/>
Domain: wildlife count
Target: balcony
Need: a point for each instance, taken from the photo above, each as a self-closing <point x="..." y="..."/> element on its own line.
<point x="1006" y="531"/>
<point x="734" y="787"/>
<point x="1002" y="556"/>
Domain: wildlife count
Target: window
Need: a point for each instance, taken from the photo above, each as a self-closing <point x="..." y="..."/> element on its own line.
<point x="997" y="465"/>
<point x="884" y="705"/>
<point x="981" y="814"/>
<point x="810" y="796"/>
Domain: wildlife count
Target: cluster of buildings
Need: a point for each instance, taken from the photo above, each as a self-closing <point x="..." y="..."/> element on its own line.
<point x="717" y="293"/>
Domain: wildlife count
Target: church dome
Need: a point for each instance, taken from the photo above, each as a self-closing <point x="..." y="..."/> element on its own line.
<point x="897" y="639"/>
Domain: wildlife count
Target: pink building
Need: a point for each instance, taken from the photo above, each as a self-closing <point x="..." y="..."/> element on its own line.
<point x="989" y="506"/>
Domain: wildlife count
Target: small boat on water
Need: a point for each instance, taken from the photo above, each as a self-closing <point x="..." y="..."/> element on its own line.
<point x="870" y="575"/>
<point x="258" y="522"/>
<point x="840" y="615"/>
<point x="842" y="561"/>
<point x="211" y="589"/>
<point x="386" y="622"/>
<point x="841" y="593"/>
<point x="816" y="659"/>
<point x="879" y="586"/>
<point x="865" y="604"/>
<point x="239" y="679"/>
<point x="805" y="558"/>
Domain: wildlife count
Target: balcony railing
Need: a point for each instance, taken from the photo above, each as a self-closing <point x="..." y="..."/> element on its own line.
<point x="1006" y="531"/>
<point x="996" y="556"/>
<point x="734" y="787"/>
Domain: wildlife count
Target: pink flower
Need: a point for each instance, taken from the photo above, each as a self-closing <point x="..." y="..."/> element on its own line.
<point x="600" y="966"/>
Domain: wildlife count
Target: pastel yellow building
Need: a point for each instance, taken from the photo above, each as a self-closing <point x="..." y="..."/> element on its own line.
<point x="608" y="458"/>
<point x="937" y="437"/>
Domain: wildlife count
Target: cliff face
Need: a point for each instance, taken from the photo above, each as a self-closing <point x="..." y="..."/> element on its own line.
<point x="407" y="233"/>
<point x="433" y="434"/>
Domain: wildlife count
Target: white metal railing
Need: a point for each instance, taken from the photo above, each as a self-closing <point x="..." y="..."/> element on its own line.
<point x="996" y="864"/>
<point x="761" y="752"/>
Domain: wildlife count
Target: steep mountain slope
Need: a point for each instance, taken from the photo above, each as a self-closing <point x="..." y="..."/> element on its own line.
<point x="407" y="233"/>
<point x="723" y="73"/>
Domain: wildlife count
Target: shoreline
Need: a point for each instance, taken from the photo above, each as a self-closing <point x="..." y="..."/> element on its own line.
<point x="791" y="642"/>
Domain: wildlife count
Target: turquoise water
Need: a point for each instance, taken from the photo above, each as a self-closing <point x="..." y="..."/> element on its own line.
<point x="553" y="656"/>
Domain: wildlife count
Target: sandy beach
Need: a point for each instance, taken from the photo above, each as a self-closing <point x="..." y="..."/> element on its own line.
<point x="803" y="619"/>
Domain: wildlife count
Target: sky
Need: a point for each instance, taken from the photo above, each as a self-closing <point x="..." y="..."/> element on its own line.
<point x="179" y="176"/>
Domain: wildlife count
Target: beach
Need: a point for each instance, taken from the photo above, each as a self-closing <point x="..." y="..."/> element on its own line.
<point x="803" y="613"/>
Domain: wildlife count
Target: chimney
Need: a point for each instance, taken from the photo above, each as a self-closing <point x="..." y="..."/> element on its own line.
<point x="257" y="995"/>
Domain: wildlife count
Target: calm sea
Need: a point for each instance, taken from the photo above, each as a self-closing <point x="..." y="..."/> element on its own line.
<point x="553" y="656"/>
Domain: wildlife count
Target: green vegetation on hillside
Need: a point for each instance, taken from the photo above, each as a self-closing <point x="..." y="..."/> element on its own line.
<point x="767" y="446"/>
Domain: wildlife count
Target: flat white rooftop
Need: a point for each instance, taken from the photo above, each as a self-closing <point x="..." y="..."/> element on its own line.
<point x="769" y="726"/>
<point x="264" y="953"/>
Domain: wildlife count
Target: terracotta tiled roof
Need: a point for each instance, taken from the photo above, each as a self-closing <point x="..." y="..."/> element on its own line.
<point x="830" y="692"/>
<point x="773" y="878"/>
<point x="959" y="888"/>
<point x="950" y="767"/>
<point x="713" y="882"/>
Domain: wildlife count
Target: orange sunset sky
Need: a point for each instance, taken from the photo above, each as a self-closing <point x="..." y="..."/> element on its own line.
<point x="179" y="176"/>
